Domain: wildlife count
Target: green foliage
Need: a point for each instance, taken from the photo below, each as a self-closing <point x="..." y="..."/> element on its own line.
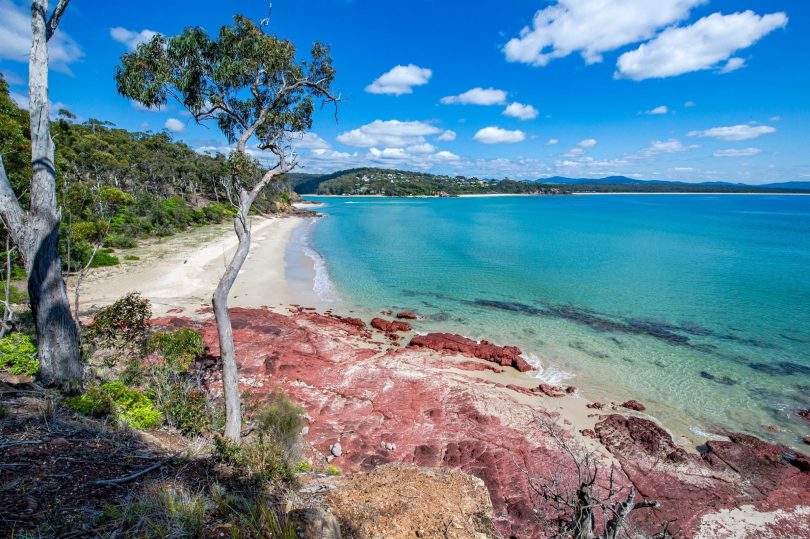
<point x="187" y="410"/>
<point x="132" y="258"/>
<point x="302" y="467"/>
<point x="332" y="470"/>
<point x="123" y="324"/>
<point x="258" y="461"/>
<point x="165" y="510"/>
<point x="17" y="296"/>
<point x="117" y="241"/>
<point x="282" y="420"/>
<point x="18" y="354"/>
<point x="94" y="402"/>
<point x="179" y="348"/>
<point x="104" y="259"/>
<point x="253" y="513"/>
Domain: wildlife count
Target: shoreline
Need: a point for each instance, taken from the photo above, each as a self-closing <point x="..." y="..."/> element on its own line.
<point x="178" y="275"/>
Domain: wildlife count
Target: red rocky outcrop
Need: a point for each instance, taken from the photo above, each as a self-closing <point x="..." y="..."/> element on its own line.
<point x="742" y="471"/>
<point x="394" y="326"/>
<point x="407" y="316"/>
<point x="507" y="356"/>
<point x="634" y="405"/>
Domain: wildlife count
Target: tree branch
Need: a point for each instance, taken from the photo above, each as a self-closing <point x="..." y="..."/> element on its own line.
<point x="11" y="212"/>
<point x="56" y="16"/>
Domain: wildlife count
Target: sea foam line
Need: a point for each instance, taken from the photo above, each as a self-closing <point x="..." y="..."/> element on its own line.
<point x="549" y="375"/>
<point x="322" y="283"/>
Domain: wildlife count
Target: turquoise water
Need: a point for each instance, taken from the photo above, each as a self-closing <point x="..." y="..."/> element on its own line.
<point x="698" y="306"/>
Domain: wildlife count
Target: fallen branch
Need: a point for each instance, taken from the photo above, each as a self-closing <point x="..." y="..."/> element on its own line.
<point x="133" y="477"/>
<point x="21" y="442"/>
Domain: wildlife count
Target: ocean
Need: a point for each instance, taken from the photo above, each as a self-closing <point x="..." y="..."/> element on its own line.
<point x="696" y="305"/>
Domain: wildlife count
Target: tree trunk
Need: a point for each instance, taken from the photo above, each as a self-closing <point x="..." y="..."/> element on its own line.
<point x="57" y="338"/>
<point x="230" y="372"/>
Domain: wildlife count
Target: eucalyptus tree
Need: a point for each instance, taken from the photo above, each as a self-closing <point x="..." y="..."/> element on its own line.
<point x="35" y="231"/>
<point x="252" y="85"/>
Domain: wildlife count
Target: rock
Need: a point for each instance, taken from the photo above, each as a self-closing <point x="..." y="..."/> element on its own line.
<point x="407" y="315"/>
<point x="634" y="405"/>
<point x="570" y="390"/>
<point x="389" y="446"/>
<point x="401" y="502"/>
<point x="588" y="433"/>
<point x="390" y="327"/>
<point x="805" y="414"/>
<point x="356" y="322"/>
<point x="550" y="391"/>
<point x="507" y="356"/>
<point x="336" y="450"/>
<point x="314" y="523"/>
<point x="305" y="430"/>
<point x="806" y="440"/>
<point x="595" y="405"/>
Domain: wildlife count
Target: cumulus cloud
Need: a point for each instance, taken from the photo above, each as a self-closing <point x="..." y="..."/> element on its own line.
<point x="388" y="133"/>
<point x="477" y="96"/>
<point x="131" y="38"/>
<point x="496" y="135"/>
<point x="12" y="78"/>
<point x="444" y="155"/>
<point x="309" y="140"/>
<point x="400" y="80"/>
<point x="735" y="132"/>
<point x="174" y="125"/>
<point x="521" y="111"/>
<point x="587" y="143"/>
<point x="15" y="40"/>
<point x="574" y="152"/>
<point x="663" y="109"/>
<point x="705" y="44"/>
<point x="737" y="152"/>
<point x="592" y="27"/>
<point x="425" y="147"/>
<point x="552" y="142"/>
<point x="658" y="147"/>
<point x="447" y="136"/>
<point x="733" y="64"/>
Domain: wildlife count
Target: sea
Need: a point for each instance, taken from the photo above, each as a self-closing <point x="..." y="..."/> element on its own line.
<point x="696" y="305"/>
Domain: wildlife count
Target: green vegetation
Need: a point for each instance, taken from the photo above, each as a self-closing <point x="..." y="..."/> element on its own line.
<point x="164" y="510"/>
<point x="18" y="354"/>
<point x="282" y="419"/>
<point x="179" y="348"/>
<point x="123" y="324"/>
<point x="374" y="181"/>
<point x="114" y="398"/>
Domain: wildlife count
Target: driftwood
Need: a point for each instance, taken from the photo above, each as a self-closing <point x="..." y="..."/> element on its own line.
<point x="136" y="475"/>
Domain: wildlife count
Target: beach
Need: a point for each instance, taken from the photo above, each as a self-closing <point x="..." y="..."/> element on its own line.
<point x="178" y="274"/>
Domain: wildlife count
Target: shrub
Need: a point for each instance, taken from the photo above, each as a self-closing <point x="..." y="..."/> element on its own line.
<point x="131" y="406"/>
<point x="118" y="241"/>
<point x="282" y="419"/>
<point x="95" y="402"/>
<point x="122" y="324"/>
<point x="18" y="354"/>
<point x="180" y="348"/>
<point x="161" y="511"/>
<point x="258" y="460"/>
<point x="332" y="470"/>
<point x="104" y="259"/>
<point x="184" y="406"/>
<point x="114" y="398"/>
<point x="132" y="257"/>
<point x="254" y="513"/>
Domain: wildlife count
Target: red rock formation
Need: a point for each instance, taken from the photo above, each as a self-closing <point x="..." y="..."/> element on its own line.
<point x="805" y="414"/>
<point x="550" y="391"/>
<point x="634" y="405"/>
<point x="741" y="471"/>
<point x="390" y="327"/>
<point x="407" y="316"/>
<point x="507" y="356"/>
<point x="595" y="405"/>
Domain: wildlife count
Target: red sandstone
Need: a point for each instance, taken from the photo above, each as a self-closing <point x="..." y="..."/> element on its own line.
<point x="390" y="327"/>
<point x="634" y="405"/>
<point x="407" y="316"/>
<point x="507" y="356"/>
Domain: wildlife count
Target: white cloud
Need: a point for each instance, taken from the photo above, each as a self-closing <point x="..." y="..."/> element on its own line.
<point x="447" y="136"/>
<point x="587" y="143"/>
<point x="20" y="99"/>
<point x="309" y="140"/>
<point x="425" y="147"/>
<point x="446" y="156"/>
<point x="400" y="80"/>
<point x="15" y="39"/>
<point x="592" y="27"/>
<point x="389" y="153"/>
<point x="737" y="152"/>
<point x="389" y="134"/>
<point x="477" y="96"/>
<point x="174" y="125"/>
<point x="131" y="38"/>
<point x="663" y="109"/>
<point x="574" y="152"/>
<point x="733" y="64"/>
<point x="702" y="45"/>
<point x="12" y="78"/>
<point x="521" y="111"/>
<point x="658" y="147"/>
<point x="496" y="135"/>
<point x="552" y="142"/>
<point x="735" y="132"/>
<point x="139" y="106"/>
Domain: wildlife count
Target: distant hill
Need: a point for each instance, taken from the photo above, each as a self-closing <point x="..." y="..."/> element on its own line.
<point x="611" y="184"/>
<point x="387" y="182"/>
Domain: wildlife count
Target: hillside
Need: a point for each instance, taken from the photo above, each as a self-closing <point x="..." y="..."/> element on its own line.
<point x="612" y="184"/>
<point x="387" y="182"/>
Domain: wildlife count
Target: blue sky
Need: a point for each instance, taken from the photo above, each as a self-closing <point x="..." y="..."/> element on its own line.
<point x="691" y="90"/>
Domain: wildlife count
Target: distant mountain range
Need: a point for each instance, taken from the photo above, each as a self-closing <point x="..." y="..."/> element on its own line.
<point x="624" y="180"/>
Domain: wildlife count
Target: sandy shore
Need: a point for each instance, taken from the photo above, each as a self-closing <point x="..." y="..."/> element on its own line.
<point x="180" y="273"/>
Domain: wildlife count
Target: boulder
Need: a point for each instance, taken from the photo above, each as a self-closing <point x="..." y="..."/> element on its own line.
<point x="406" y="315"/>
<point x="805" y="414"/>
<point x="314" y="523"/>
<point x="507" y="356"/>
<point x="390" y="327"/>
<point x="634" y="405"/>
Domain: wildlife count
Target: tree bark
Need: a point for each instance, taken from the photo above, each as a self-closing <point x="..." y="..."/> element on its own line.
<point x="227" y="351"/>
<point x="36" y="233"/>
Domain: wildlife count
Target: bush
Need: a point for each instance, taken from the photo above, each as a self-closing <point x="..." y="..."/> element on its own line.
<point x="18" y="354"/>
<point x="95" y="402"/>
<point x="258" y="461"/>
<point x="161" y="511"/>
<point x="282" y="419"/>
<point x="179" y="348"/>
<point x="122" y="324"/>
<point x="184" y="406"/>
<point x="132" y="257"/>
<point x="118" y="241"/>
<point x="104" y="259"/>
<point x="114" y="398"/>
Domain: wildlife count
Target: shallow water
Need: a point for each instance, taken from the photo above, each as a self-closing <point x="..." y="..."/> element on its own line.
<point x="699" y="306"/>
